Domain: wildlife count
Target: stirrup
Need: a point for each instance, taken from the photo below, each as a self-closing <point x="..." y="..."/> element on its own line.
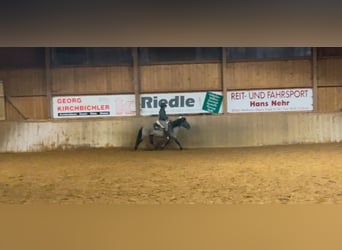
<point x="159" y="124"/>
<point x="167" y="134"/>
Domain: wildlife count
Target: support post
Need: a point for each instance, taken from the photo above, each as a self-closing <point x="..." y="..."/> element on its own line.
<point x="314" y="79"/>
<point x="224" y="80"/>
<point x="48" y="81"/>
<point x="136" y="80"/>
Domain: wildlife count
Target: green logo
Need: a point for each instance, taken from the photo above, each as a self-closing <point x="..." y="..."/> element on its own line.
<point x="212" y="102"/>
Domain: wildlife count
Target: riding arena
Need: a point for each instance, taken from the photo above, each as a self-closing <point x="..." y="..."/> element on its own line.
<point x="247" y="125"/>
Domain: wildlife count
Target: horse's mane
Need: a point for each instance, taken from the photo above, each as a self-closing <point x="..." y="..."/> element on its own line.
<point x="178" y="121"/>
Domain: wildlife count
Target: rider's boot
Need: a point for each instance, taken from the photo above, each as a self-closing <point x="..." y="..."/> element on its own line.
<point x="167" y="134"/>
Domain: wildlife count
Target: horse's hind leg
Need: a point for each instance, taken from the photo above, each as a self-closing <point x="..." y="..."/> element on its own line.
<point x="139" y="139"/>
<point x="178" y="143"/>
<point x="151" y="139"/>
<point x="137" y="144"/>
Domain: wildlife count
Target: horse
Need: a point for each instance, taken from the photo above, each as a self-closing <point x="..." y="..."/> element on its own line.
<point x="152" y="131"/>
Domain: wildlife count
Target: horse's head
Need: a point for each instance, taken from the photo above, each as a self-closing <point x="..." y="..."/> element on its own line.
<point x="182" y="122"/>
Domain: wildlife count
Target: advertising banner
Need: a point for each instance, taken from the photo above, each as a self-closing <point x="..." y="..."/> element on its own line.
<point x="124" y="105"/>
<point x="177" y="103"/>
<point x="270" y="100"/>
<point x="93" y="106"/>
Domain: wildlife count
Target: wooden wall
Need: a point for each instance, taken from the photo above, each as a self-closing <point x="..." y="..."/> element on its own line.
<point x="28" y="107"/>
<point x="24" y="82"/>
<point x="329" y="84"/>
<point x="26" y="89"/>
<point x="92" y="80"/>
<point x="25" y="93"/>
<point x="330" y="99"/>
<point x="181" y="77"/>
<point x="269" y="74"/>
<point x="330" y="72"/>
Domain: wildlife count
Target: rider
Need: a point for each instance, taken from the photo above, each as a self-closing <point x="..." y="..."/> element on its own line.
<point x="163" y="121"/>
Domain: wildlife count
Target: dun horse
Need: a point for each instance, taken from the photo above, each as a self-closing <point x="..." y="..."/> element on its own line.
<point x="151" y="131"/>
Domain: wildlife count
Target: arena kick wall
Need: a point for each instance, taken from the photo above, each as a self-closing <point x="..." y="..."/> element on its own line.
<point x="207" y="131"/>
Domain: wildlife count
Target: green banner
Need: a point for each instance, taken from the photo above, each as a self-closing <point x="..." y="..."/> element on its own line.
<point x="212" y="102"/>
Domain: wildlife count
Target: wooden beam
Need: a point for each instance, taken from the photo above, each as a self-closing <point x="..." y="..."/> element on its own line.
<point x="48" y="81"/>
<point x="2" y="102"/>
<point x="314" y="79"/>
<point x="9" y="101"/>
<point x="136" y="80"/>
<point x="224" y="80"/>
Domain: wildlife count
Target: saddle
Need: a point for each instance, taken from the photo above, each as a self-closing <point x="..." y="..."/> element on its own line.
<point x="157" y="126"/>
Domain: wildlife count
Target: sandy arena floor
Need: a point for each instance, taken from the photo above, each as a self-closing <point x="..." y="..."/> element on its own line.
<point x="300" y="174"/>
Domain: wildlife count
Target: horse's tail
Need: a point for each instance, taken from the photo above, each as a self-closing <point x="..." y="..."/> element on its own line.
<point x="139" y="136"/>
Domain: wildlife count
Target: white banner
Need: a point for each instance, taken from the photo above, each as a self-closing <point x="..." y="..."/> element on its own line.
<point x="270" y="100"/>
<point x="93" y="106"/>
<point x="177" y="103"/>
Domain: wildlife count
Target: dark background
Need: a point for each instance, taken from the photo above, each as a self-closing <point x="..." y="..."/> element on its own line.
<point x="170" y="23"/>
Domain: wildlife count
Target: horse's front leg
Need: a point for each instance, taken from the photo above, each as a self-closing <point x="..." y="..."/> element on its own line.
<point x="167" y="142"/>
<point x="178" y="143"/>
